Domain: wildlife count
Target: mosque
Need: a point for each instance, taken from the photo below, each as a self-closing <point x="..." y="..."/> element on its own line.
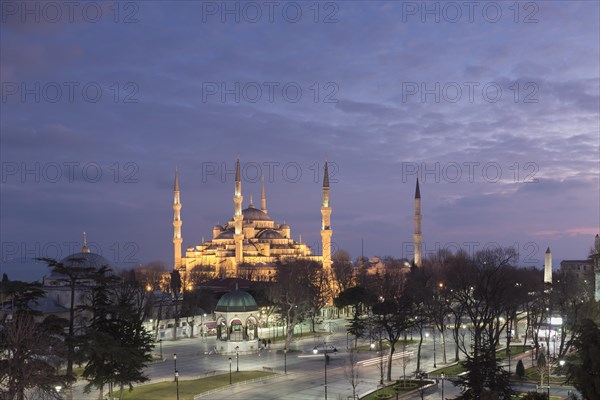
<point x="251" y="243"/>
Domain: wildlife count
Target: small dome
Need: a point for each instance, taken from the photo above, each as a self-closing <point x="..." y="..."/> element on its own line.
<point x="284" y="226"/>
<point x="254" y="214"/>
<point x="270" y="234"/>
<point x="236" y="300"/>
<point x="219" y="227"/>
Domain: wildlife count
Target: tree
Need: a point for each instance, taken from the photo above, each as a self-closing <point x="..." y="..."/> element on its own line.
<point x="343" y="269"/>
<point x="34" y="351"/>
<point x="352" y="372"/>
<point x="520" y="369"/>
<point x="584" y="366"/>
<point x="483" y="285"/>
<point x="393" y="315"/>
<point x="360" y="299"/>
<point x="116" y="346"/>
<point x="32" y="348"/>
<point x="75" y="272"/>
<point x="293" y="291"/>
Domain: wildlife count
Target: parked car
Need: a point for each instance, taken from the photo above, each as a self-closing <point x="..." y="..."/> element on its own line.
<point x="324" y="348"/>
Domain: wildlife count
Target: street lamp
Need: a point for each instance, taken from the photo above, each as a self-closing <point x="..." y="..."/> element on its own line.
<point x="175" y="362"/>
<point x="285" y="360"/>
<point x="316" y="351"/>
<point x="230" y="370"/>
<point x="204" y="327"/>
<point x="443" y="376"/>
<point x="434" y="364"/>
<point x="177" y="382"/>
<point x="161" y="353"/>
<point x="237" y="359"/>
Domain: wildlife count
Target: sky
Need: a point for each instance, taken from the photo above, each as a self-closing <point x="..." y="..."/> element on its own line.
<point x="493" y="105"/>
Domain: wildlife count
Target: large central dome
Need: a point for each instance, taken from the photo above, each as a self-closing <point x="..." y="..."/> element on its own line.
<point x="254" y="214"/>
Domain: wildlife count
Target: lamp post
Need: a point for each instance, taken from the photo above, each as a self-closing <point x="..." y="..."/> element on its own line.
<point x="562" y="364"/>
<point x="285" y="360"/>
<point x="175" y="362"/>
<point x="230" y="370"/>
<point x="177" y="382"/>
<point x="160" y="344"/>
<point x="237" y="359"/>
<point x="316" y="351"/>
<point x="443" y="376"/>
<point x="434" y="364"/>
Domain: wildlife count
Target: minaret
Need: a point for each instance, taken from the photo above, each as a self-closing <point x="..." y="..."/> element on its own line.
<point x="85" y="248"/>
<point x="238" y="218"/>
<point x="263" y="197"/>
<point x="177" y="240"/>
<point x="548" y="267"/>
<point x="596" y="261"/>
<point x="326" y="221"/>
<point x="417" y="237"/>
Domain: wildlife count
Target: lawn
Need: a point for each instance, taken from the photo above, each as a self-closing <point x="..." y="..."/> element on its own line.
<point x="532" y="374"/>
<point x="514" y="350"/>
<point x="389" y="392"/>
<point x="451" y="370"/>
<point x="187" y="389"/>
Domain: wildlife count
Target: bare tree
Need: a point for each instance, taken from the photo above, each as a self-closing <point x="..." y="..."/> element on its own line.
<point x="352" y="372"/>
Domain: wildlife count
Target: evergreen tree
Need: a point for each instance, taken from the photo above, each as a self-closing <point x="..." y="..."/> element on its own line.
<point x="117" y="347"/>
<point x="520" y="369"/>
<point x="584" y="366"/>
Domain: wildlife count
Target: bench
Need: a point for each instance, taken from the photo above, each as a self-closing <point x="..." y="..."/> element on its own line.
<point x="268" y="369"/>
<point x="210" y="373"/>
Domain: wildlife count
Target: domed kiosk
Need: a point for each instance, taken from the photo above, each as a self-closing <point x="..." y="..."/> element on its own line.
<point x="237" y="322"/>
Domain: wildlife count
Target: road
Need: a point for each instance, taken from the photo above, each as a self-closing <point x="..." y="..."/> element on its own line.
<point x="306" y="372"/>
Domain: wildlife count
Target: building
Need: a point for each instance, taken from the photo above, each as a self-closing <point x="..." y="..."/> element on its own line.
<point x="251" y="243"/>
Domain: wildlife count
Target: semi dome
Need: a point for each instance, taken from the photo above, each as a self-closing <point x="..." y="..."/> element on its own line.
<point x="254" y="214"/>
<point x="236" y="301"/>
<point x="270" y="234"/>
<point x="225" y="235"/>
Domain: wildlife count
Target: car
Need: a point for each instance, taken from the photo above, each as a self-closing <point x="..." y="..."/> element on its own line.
<point x="324" y="348"/>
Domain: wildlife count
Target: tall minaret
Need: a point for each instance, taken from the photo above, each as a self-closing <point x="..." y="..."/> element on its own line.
<point x="417" y="237"/>
<point x="596" y="261"/>
<point x="326" y="221"/>
<point x="238" y="218"/>
<point x="177" y="240"/>
<point x="263" y="197"/>
<point x="548" y="267"/>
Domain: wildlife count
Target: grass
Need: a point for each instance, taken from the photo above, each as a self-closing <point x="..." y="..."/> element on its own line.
<point x="533" y="374"/>
<point x="514" y="350"/>
<point x="451" y="370"/>
<point x="522" y="394"/>
<point x="389" y="392"/>
<point x="187" y="389"/>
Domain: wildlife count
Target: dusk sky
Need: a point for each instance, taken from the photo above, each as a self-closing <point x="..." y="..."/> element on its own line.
<point x="495" y="104"/>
